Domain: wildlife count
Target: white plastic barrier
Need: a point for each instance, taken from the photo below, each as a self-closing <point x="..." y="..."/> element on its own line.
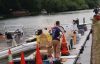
<point x="18" y="49"/>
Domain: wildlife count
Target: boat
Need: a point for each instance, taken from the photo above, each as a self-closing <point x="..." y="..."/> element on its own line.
<point x="24" y="46"/>
<point x="43" y="11"/>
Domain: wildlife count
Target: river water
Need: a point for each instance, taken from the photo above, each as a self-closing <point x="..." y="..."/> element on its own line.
<point x="44" y="20"/>
<point x="33" y="22"/>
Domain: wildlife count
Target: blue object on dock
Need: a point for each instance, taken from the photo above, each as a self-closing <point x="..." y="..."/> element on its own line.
<point x="46" y="62"/>
<point x="55" y="61"/>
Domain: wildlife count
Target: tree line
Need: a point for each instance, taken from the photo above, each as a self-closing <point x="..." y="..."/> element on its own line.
<point x="35" y="6"/>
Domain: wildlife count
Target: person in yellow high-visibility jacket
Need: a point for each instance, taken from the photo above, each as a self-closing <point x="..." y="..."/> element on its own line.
<point x="44" y="41"/>
<point x="50" y="48"/>
<point x="49" y="38"/>
<point x="46" y="32"/>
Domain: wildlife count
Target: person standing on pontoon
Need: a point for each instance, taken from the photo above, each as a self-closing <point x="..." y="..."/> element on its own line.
<point x="43" y="42"/>
<point x="18" y="35"/>
<point x="56" y="35"/>
<point x="9" y="38"/>
<point x="75" y="25"/>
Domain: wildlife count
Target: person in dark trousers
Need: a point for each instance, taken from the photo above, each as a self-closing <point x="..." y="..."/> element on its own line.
<point x="71" y="43"/>
<point x="8" y="35"/>
<point x="18" y="35"/>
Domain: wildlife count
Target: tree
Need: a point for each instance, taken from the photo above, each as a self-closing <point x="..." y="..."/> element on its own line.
<point x="35" y="6"/>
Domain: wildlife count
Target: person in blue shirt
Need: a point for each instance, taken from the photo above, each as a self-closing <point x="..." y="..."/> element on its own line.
<point x="56" y="35"/>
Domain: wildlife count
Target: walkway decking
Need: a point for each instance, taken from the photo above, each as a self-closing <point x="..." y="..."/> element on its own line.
<point x="85" y="57"/>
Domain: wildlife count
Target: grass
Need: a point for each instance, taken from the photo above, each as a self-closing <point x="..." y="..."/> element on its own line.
<point x="96" y="43"/>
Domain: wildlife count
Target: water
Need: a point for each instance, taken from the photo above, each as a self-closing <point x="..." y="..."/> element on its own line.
<point x="30" y="24"/>
<point x="44" y="20"/>
<point x="34" y="22"/>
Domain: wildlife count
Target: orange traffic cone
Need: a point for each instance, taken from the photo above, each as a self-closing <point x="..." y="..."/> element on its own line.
<point x="64" y="48"/>
<point x="38" y="56"/>
<point x="22" y="58"/>
<point x="10" y="57"/>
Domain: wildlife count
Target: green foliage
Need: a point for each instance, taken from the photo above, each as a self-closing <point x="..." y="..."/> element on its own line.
<point x="49" y="5"/>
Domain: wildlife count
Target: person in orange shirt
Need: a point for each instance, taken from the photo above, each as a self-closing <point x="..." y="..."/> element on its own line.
<point x="74" y="37"/>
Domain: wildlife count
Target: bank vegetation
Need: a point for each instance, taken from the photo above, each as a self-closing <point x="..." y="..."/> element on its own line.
<point x="32" y="7"/>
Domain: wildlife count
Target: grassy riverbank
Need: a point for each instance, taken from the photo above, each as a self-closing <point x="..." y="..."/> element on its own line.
<point x="96" y="43"/>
